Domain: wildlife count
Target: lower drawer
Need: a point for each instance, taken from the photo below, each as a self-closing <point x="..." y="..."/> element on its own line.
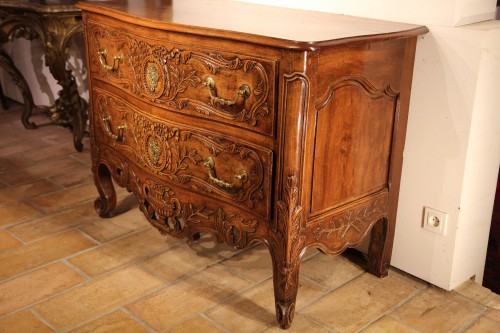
<point x="204" y="162"/>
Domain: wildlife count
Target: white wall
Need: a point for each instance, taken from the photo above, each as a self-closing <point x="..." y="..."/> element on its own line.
<point x="452" y="153"/>
<point x="483" y="158"/>
<point x="429" y="12"/>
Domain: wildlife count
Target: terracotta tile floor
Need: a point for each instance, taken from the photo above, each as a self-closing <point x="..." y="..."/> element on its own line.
<point x="64" y="269"/>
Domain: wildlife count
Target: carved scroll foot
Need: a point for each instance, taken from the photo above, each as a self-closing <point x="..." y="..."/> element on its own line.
<point x="378" y="254"/>
<point x="106" y="202"/>
<point x="285" y="313"/>
<point x="286" y="283"/>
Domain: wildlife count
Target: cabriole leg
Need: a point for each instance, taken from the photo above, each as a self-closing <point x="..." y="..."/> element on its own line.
<point x="378" y="253"/>
<point x="106" y="202"/>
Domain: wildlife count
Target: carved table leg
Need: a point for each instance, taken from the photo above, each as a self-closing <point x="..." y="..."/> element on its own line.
<point x="70" y="108"/>
<point x="55" y="30"/>
<point x="106" y="202"/>
<point x="8" y="65"/>
<point x="378" y="256"/>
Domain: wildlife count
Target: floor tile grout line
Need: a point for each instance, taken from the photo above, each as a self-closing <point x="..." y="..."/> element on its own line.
<point x="348" y="282"/>
<point x="31" y="270"/>
<point x="396" y="307"/>
<point x="36" y="179"/>
<point x="129" y="264"/>
<point x="66" y="259"/>
<point x="62" y="154"/>
<point x="87" y="236"/>
<point x="486" y="308"/>
<point x="61" y="190"/>
<point x="324" y="292"/>
<point x="42" y="319"/>
<point x="177" y="324"/>
<point x="106" y="313"/>
<point x="46" y="215"/>
<point x="82" y="284"/>
<point x="70" y="256"/>
<point x="317" y="283"/>
<point x="23" y="151"/>
<point x="317" y="322"/>
<point x="138" y="320"/>
<point x="60" y="232"/>
<point x="477" y="302"/>
<point x="184" y="276"/>
<point x="232" y="296"/>
<point x="46" y="298"/>
<point x="236" y="273"/>
<point x="331" y="290"/>
<point x="32" y="218"/>
<point x="213" y="322"/>
<point x="388" y="315"/>
<point x="26" y="199"/>
<point x="67" y="172"/>
<point x="469" y="324"/>
<point x="76" y="269"/>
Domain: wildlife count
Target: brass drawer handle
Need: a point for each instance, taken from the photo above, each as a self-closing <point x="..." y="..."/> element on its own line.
<point x="210" y="165"/>
<point x="121" y="129"/>
<point x="241" y="95"/>
<point x="117" y="60"/>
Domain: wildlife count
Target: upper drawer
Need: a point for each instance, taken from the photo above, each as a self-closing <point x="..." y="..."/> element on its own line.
<point x="235" y="89"/>
<point x="201" y="161"/>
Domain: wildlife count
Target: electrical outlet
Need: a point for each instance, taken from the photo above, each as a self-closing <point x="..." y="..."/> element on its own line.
<point x="434" y="221"/>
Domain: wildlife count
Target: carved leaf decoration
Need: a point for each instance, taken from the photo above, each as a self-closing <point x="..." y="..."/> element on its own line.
<point x="184" y="56"/>
<point x="176" y="149"/>
<point x="339" y="227"/>
<point x="176" y="154"/>
<point x="193" y="215"/>
<point x="183" y="179"/>
<point x="287" y="240"/>
<point x="258" y="89"/>
<point x="233" y="229"/>
<point x="178" y="71"/>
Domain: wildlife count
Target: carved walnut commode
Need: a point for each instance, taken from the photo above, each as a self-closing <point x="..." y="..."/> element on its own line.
<point x="254" y="123"/>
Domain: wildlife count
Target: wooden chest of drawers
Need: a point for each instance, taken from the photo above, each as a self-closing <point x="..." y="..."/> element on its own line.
<point x="254" y="123"/>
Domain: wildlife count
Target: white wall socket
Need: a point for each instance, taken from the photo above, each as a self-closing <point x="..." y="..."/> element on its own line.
<point x="434" y="221"/>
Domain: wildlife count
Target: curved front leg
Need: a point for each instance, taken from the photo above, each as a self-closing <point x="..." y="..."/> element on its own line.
<point x="287" y="246"/>
<point x="286" y="284"/>
<point x="378" y="252"/>
<point x="106" y="202"/>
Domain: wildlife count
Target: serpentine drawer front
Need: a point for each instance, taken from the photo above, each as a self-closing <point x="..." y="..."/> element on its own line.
<point x="254" y="123"/>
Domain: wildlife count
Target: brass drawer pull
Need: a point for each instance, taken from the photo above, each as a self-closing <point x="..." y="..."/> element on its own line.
<point x="241" y="95"/>
<point x="117" y="60"/>
<point x="210" y="165"/>
<point x="121" y="129"/>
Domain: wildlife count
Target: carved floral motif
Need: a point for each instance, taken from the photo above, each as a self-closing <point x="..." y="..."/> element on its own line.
<point x="173" y="77"/>
<point x="170" y="215"/>
<point x="177" y="153"/>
